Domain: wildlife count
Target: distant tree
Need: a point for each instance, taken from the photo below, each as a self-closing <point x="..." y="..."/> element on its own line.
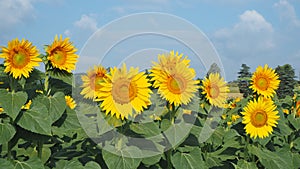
<point x="214" y="68"/>
<point x="287" y="80"/>
<point x="244" y="78"/>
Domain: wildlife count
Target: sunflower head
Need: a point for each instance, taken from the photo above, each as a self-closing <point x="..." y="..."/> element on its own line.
<point x="174" y="79"/>
<point x="70" y="102"/>
<point x="91" y="82"/>
<point x="166" y="63"/>
<point x="259" y="117"/>
<point x="265" y="81"/>
<point x="61" y="54"/>
<point x="27" y="105"/>
<point x="215" y="89"/>
<point x="20" y="57"/>
<point x="124" y="92"/>
<point x="298" y="108"/>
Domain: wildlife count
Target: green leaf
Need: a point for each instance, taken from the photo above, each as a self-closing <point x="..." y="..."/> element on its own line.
<point x="56" y="105"/>
<point x="294" y="121"/>
<point x="62" y="75"/>
<point x="7" y="131"/>
<point x="191" y="160"/>
<point x="12" y="102"/>
<point x="92" y="165"/>
<point x="36" y="119"/>
<point x="178" y="132"/>
<point x="5" y="164"/>
<point x="121" y="162"/>
<point x="151" y="160"/>
<point x="146" y="129"/>
<point x="32" y="163"/>
<point x="70" y="126"/>
<point x="269" y="159"/>
<point x="242" y="164"/>
<point x="73" y="164"/>
<point x="32" y="152"/>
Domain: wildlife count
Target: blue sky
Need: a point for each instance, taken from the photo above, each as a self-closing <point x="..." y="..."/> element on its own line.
<point x="254" y="32"/>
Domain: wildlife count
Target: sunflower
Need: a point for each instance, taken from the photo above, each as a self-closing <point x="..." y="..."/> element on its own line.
<point x="124" y="91"/>
<point x="19" y="58"/>
<point x="298" y="108"/>
<point x="215" y="89"/>
<point x="1" y="110"/>
<point x="70" y="102"/>
<point x="260" y="117"/>
<point x="27" y="105"/>
<point x="265" y="81"/>
<point x="174" y="79"/>
<point x="91" y="82"/>
<point x="166" y="62"/>
<point x="61" y="54"/>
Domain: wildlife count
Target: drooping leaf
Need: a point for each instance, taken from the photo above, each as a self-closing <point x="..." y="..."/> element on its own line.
<point x="122" y="162"/>
<point x="56" y="105"/>
<point x="7" y="131"/>
<point x="73" y="164"/>
<point x="191" y="160"/>
<point x="36" y="119"/>
<point x="6" y="164"/>
<point x="92" y="165"/>
<point x="32" y="163"/>
<point x="12" y="102"/>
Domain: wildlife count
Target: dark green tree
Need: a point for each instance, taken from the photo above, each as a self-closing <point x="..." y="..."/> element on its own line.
<point x="287" y="80"/>
<point x="244" y="78"/>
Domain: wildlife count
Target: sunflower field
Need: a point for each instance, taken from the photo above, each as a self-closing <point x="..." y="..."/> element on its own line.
<point x="122" y="117"/>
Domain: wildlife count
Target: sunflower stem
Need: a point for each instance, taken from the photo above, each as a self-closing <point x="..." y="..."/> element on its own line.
<point x="40" y="148"/>
<point x="9" y="150"/>
<point x="46" y="84"/>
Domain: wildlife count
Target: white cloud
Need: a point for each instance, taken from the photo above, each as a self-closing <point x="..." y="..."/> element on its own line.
<point x="251" y="30"/>
<point x="87" y="22"/>
<point x="13" y="12"/>
<point x="250" y="40"/>
<point x="287" y="13"/>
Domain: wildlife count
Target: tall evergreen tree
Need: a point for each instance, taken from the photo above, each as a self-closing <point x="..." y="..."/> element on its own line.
<point x="214" y="68"/>
<point x="287" y="80"/>
<point x="244" y="78"/>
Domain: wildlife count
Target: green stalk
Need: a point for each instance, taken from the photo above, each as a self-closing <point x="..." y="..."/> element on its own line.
<point x="8" y="150"/>
<point x="40" y="148"/>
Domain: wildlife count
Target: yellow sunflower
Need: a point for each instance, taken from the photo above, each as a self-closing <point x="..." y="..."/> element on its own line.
<point x="91" y="82"/>
<point x="265" y="81"/>
<point x="19" y="58"/>
<point x="124" y="91"/>
<point x="70" y="102"/>
<point x="215" y="89"/>
<point x="61" y="54"/>
<point x="298" y="108"/>
<point x="174" y="79"/>
<point x="260" y="117"/>
<point x="27" y="105"/>
<point x="166" y="62"/>
<point x="1" y="110"/>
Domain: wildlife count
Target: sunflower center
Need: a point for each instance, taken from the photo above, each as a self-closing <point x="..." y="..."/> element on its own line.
<point x="20" y="60"/>
<point x="176" y="84"/>
<point x="59" y="57"/>
<point x="262" y="83"/>
<point x="214" y="91"/>
<point x="123" y="91"/>
<point x="259" y="118"/>
<point x="95" y="82"/>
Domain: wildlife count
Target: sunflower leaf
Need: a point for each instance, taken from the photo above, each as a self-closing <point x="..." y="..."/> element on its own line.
<point x="7" y="131"/>
<point x="12" y="102"/>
